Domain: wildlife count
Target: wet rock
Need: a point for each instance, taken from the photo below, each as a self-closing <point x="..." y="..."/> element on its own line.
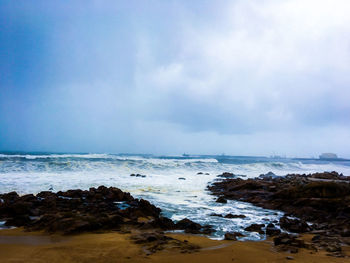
<point x="294" y="225"/>
<point x="181" y="178"/>
<point x="222" y="200"/>
<point x="322" y="199"/>
<point x="234" y="216"/>
<point x="214" y="214"/>
<point x="192" y="227"/>
<point x="189" y="226"/>
<point x="271" y="230"/>
<point x="255" y="228"/>
<point x="230" y="236"/>
<point x="233" y="235"/>
<point x="76" y="211"/>
<point x="138" y="175"/>
<point x="227" y="175"/>
<point x="268" y="176"/>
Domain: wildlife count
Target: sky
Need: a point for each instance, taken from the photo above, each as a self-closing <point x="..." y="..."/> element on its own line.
<point x="259" y="77"/>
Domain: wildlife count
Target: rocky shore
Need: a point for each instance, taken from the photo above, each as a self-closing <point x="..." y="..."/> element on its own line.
<point x="96" y="210"/>
<point x="317" y="203"/>
<point x="316" y="207"/>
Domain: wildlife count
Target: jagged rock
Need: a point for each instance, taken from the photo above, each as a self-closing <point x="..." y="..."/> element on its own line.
<point x="322" y="199"/>
<point x="76" y="211"/>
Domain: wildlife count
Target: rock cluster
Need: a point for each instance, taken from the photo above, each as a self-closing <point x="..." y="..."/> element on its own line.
<point x="315" y="203"/>
<point x="96" y="209"/>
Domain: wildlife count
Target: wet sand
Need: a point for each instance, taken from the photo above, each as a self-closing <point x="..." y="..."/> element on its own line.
<point x="19" y="246"/>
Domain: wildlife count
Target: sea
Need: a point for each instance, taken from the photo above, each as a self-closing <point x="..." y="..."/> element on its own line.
<point x="176" y="184"/>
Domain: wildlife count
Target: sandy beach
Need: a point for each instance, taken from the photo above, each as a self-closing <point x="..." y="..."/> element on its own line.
<point x="17" y="245"/>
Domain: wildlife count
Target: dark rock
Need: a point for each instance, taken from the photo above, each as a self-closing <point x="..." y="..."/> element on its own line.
<point x="227" y="175"/>
<point x="76" y="211"/>
<point x="333" y="247"/>
<point x="255" y="228"/>
<point x="192" y="227"/>
<point x="138" y="175"/>
<point x="214" y="214"/>
<point x="155" y="241"/>
<point x="271" y="230"/>
<point x="182" y="178"/>
<point x="189" y="226"/>
<point x="268" y="176"/>
<point x="222" y="200"/>
<point x="345" y="232"/>
<point x="234" y="216"/>
<point x="20" y="220"/>
<point x="230" y="236"/>
<point x="322" y="199"/>
<point x="294" y="225"/>
<point x="233" y="235"/>
<point x="287" y="241"/>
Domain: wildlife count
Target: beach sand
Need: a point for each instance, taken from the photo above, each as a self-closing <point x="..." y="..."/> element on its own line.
<point x="19" y="246"/>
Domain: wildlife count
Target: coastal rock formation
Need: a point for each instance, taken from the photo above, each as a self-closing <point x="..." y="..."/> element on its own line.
<point x="76" y="211"/>
<point x="322" y="199"/>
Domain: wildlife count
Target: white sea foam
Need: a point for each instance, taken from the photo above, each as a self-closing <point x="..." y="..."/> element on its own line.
<point x="46" y="156"/>
<point x="177" y="198"/>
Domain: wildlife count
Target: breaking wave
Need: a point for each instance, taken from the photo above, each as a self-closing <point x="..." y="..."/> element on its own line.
<point x="32" y="173"/>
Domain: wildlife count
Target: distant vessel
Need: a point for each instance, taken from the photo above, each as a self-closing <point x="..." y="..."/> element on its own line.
<point x="328" y="156"/>
<point x="185" y="155"/>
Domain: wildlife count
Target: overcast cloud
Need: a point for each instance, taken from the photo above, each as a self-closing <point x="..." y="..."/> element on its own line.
<point x="167" y="77"/>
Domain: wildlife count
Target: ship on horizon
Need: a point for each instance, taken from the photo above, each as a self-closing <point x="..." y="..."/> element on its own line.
<point x="328" y="156"/>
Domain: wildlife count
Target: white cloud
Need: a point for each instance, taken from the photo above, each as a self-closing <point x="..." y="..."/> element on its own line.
<point x="270" y="60"/>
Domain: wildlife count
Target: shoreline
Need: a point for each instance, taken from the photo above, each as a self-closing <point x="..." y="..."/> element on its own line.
<point x="115" y="246"/>
<point x="102" y="224"/>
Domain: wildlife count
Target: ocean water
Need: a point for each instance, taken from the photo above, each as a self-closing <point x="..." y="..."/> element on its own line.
<point x="32" y="173"/>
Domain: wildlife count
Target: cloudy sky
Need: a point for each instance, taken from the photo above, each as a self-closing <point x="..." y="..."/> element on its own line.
<point x="239" y="77"/>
